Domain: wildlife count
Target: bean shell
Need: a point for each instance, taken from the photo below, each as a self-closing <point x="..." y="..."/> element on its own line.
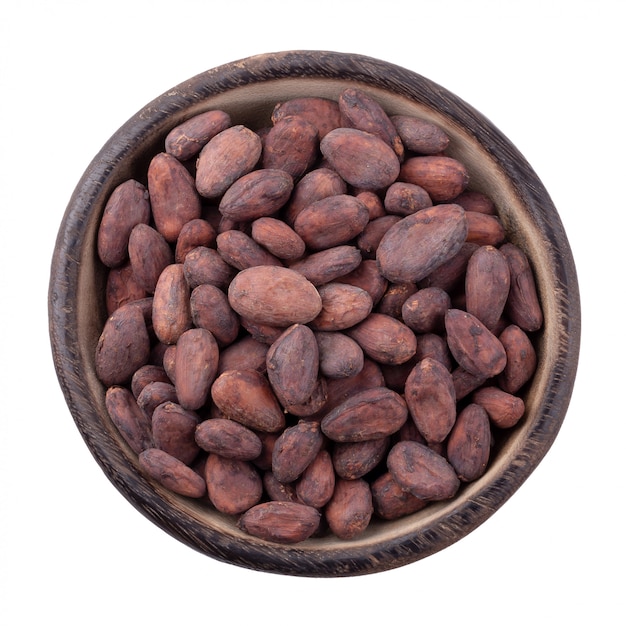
<point x="173" y="429"/>
<point x="416" y="245"/>
<point x="127" y="206"/>
<point x="370" y="414"/>
<point x="195" y="367"/>
<point x="443" y="177"/>
<point x="472" y="345"/>
<point x="172" y="473"/>
<point x="363" y="160"/>
<point x="246" y="396"/>
<point x="188" y="138"/>
<point x="293" y="365"/>
<point x="228" y="438"/>
<point x="233" y="486"/>
<point x="277" y="296"/>
<point x="173" y="196"/>
<point x="350" y="510"/>
<point x="316" y="484"/>
<point x="130" y="420"/>
<point x="430" y="397"/>
<point x="281" y="522"/>
<point x="230" y="154"/>
<point x="123" y="346"/>
<point x="422" y="471"/>
<point x="256" y="194"/>
<point x="295" y="450"/>
<point x="343" y="306"/>
<point x="469" y="444"/>
<point x="171" y="311"/>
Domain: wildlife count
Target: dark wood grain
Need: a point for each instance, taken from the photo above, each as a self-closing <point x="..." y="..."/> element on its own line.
<point x="248" y="89"/>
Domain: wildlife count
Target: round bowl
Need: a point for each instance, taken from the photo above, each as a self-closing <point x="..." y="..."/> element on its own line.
<point x="248" y="90"/>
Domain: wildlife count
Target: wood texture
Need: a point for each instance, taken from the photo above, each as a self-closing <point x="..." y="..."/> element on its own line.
<point x="248" y="89"/>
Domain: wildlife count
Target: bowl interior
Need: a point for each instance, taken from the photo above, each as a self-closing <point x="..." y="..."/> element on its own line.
<point x="77" y="311"/>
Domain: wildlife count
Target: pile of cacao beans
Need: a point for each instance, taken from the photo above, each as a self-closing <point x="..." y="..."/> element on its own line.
<point x="312" y="324"/>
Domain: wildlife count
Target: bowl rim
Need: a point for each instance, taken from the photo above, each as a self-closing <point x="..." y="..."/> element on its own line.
<point x="448" y="522"/>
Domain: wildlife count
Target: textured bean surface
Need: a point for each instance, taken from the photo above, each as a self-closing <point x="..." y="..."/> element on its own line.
<point x="313" y="324"/>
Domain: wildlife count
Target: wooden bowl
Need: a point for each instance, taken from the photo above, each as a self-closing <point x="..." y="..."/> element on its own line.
<point x="248" y="90"/>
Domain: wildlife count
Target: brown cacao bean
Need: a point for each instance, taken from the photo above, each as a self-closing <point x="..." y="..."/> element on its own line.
<point x="404" y="199"/>
<point x="323" y="113"/>
<point x="173" y="429"/>
<point x="277" y="296"/>
<point x="172" y="473"/>
<point x="430" y="398"/>
<point x="246" y="396"/>
<point x="155" y="393"/>
<point x="523" y="306"/>
<point x="229" y="439"/>
<point x="371" y="236"/>
<point x="278" y="238"/>
<point x="315" y="185"/>
<point x="122" y="288"/>
<point x="339" y="355"/>
<point x="472" y="200"/>
<point x="295" y="450"/>
<point x="415" y="246"/>
<point x="149" y="255"/>
<point x="504" y="409"/>
<point x="484" y="229"/>
<point x="316" y="485"/>
<point x="391" y="502"/>
<point x="123" y="346"/>
<point x="259" y="193"/>
<point x="245" y="354"/>
<point x="171" y="311"/>
<point x="233" y="486"/>
<point x="127" y="206"/>
<point x="343" y="306"/>
<point x="443" y="177"/>
<point x="194" y="233"/>
<point x="363" y="160"/>
<point x="230" y="154"/>
<point x="188" y="138"/>
<point x="472" y="345"/>
<point x="521" y="359"/>
<point x="130" y="420"/>
<point x="195" y="367"/>
<point x="359" y="110"/>
<point x="204" y="265"/>
<point x="173" y="195"/>
<point x="424" y="311"/>
<point x="281" y="522"/>
<point x="331" y="221"/>
<point x="420" y="135"/>
<point x="487" y="283"/>
<point x="353" y="460"/>
<point x="384" y="339"/>
<point x="291" y="145"/>
<point x="469" y="444"/>
<point x="241" y="251"/>
<point x="422" y="471"/>
<point x="210" y="310"/>
<point x="373" y="413"/>
<point x="293" y="365"/>
<point x="350" y="509"/>
<point x="328" y="265"/>
<point x="145" y="375"/>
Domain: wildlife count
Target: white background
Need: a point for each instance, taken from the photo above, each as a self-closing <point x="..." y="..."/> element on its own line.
<point x="550" y="75"/>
